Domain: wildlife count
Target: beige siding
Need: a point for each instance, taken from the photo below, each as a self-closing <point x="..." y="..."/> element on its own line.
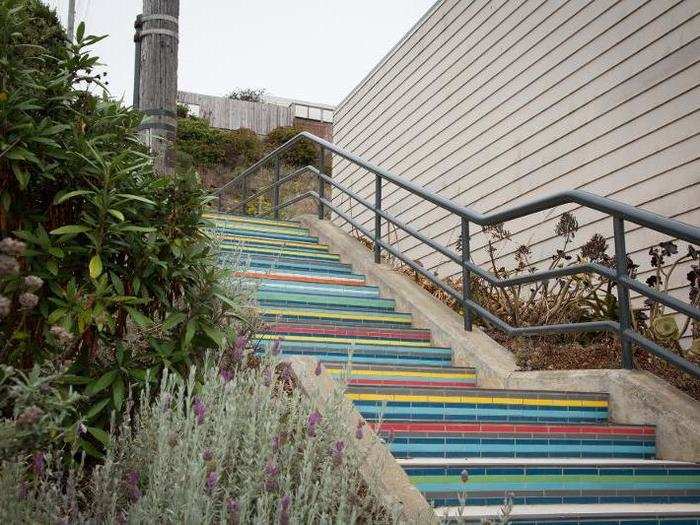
<point x="493" y="103"/>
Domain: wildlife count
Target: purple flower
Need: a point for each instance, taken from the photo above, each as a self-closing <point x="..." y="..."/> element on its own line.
<point x="278" y="441"/>
<point x="358" y="431"/>
<point x="134" y="494"/>
<point x="132" y="482"/>
<point x="285" y="502"/>
<point x="207" y="455"/>
<point x="286" y="372"/>
<point x="199" y="409"/>
<point x="275" y="348"/>
<point x="38" y="464"/>
<point x="239" y="348"/>
<point x="319" y="369"/>
<point x="271" y="473"/>
<point x="233" y="511"/>
<point x="337" y="452"/>
<point x="313" y="420"/>
<point x="132" y="478"/>
<point x="212" y="480"/>
<point x="226" y="375"/>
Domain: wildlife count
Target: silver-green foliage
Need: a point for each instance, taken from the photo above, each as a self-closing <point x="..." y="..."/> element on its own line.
<point x="238" y="451"/>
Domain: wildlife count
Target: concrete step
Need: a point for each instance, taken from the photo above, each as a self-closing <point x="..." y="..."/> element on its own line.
<point x="579" y="514"/>
<point x="543" y="481"/>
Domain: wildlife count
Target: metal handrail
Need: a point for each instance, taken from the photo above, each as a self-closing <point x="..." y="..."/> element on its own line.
<point x="619" y="212"/>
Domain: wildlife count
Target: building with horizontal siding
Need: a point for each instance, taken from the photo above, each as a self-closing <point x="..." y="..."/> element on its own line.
<point x="493" y="103"/>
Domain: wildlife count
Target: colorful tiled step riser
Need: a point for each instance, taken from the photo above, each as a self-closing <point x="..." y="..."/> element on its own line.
<point x="335" y="317"/>
<point x="407" y="377"/>
<point x="558" y="485"/>
<point x="286" y="253"/>
<point x="423" y="405"/>
<point x="484" y="447"/>
<point x="329" y="290"/>
<point x="326" y="302"/>
<point x="278" y="276"/>
<point x="364" y="354"/>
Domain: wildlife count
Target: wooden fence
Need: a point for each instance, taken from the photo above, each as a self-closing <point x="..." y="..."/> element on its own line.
<point x="234" y="114"/>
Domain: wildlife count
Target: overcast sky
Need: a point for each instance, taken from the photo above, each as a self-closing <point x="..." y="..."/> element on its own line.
<point x="314" y="50"/>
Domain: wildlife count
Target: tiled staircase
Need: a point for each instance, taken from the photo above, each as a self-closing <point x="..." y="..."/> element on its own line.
<point x="556" y="453"/>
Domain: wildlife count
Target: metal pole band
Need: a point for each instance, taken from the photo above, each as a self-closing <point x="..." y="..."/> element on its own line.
<point x="156" y="125"/>
<point x="159" y="112"/>
<point x="150" y="18"/>
<point x="165" y="32"/>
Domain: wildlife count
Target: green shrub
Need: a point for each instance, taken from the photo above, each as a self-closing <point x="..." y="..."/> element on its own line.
<point x="207" y="146"/>
<point x="129" y="283"/>
<point x="301" y="154"/>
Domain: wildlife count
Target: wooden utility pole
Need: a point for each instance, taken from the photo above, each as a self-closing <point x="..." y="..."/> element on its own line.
<point x="157" y="38"/>
<point x="71" y="19"/>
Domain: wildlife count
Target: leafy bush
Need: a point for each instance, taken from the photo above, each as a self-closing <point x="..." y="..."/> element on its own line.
<point x="242" y="448"/>
<point x="248" y="95"/>
<point x="128" y="282"/>
<point x="301" y="154"/>
<point x="207" y="146"/>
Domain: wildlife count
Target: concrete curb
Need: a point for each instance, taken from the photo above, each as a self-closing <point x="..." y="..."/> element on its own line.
<point x="380" y="470"/>
<point x="636" y="397"/>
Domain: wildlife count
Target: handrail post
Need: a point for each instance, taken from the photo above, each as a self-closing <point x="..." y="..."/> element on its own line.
<point x="321" y="188"/>
<point x="377" y="218"/>
<point x="466" y="276"/>
<point x="276" y="190"/>
<point x="623" y="293"/>
<point x="244" y="192"/>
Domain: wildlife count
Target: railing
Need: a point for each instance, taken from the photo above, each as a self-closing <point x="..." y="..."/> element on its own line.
<point x="619" y="212"/>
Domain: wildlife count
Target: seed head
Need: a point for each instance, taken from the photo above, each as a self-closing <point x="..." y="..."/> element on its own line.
<point x="319" y="369"/>
<point x="63" y="336"/>
<point x="5" y="306"/>
<point x="12" y="247"/>
<point x="33" y="283"/>
<point x="28" y="301"/>
<point x="29" y="417"/>
<point x="8" y="265"/>
<point x="276" y="346"/>
<point x="38" y="464"/>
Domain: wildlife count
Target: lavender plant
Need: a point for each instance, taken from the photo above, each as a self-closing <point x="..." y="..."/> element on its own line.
<point x="235" y="449"/>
